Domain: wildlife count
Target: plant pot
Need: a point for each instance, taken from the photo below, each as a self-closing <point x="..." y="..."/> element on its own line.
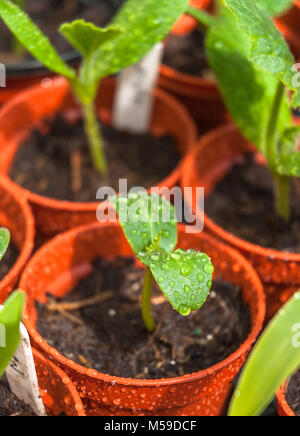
<point x="31" y="108"/>
<point x="15" y="214"/>
<point x="57" y="390"/>
<point x="208" y="164"/>
<point x="60" y="264"/>
<point x="282" y="405"/>
<point x="187" y="23"/>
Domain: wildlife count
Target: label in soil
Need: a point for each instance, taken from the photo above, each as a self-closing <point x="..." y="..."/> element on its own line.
<point x="134" y="96"/>
<point x="22" y="378"/>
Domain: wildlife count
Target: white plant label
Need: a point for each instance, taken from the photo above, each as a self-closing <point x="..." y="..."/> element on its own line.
<point x="22" y="378"/>
<point x="134" y="95"/>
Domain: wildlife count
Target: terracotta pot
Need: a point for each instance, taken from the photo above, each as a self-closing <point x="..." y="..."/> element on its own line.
<point x="58" y="266"/>
<point x="15" y="214"/>
<point x="289" y="25"/>
<point x="57" y="390"/>
<point x="208" y="164"/>
<point x="282" y="405"/>
<point x="30" y="109"/>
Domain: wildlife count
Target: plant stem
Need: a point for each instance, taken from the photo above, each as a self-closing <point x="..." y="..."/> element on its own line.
<point x="93" y="132"/>
<point x="146" y="301"/>
<point x="282" y="196"/>
<point x="282" y="183"/>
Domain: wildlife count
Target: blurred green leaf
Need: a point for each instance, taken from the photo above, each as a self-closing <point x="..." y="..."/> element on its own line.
<point x="275" y="357"/>
<point x="10" y="318"/>
<point x="274" y="7"/>
<point x="4" y="241"/>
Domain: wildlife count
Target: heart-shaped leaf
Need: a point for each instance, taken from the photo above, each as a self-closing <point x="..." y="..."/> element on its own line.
<point x="148" y="221"/>
<point x="4" y="241"/>
<point x="185" y="277"/>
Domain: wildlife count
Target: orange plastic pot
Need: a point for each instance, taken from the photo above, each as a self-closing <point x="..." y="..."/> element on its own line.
<point x="57" y="390"/>
<point x="208" y="164"/>
<point x="58" y="266"/>
<point x="27" y="111"/>
<point x="15" y="214"/>
<point x="282" y="405"/>
<point x="186" y="22"/>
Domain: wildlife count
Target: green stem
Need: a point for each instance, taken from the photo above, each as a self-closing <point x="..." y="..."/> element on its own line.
<point x="146" y="301"/>
<point x="92" y="128"/>
<point x="282" y="196"/>
<point x="282" y="183"/>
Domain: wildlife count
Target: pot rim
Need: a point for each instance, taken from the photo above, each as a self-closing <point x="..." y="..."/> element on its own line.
<point x="51" y="203"/>
<point x="25" y="252"/>
<point x="255" y="327"/>
<point x="281" y="395"/>
<point x="226" y="236"/>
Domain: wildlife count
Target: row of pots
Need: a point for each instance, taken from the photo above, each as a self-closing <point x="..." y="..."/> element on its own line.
<point x="69" y="254"/>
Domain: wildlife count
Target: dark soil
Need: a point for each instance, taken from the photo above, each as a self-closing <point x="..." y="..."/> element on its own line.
<point x="243" y="205"/>
<point x="43" y="165"/>
<point x="293" y="393"/>
<point x="50" y="14"/>
<point x="8" y="260"/>
<point x="186" y="53"/>
<point x="110" y="336"/>
<point x="10" y="405"/>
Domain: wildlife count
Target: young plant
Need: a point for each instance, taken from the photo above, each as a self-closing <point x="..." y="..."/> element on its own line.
<point x="105" y="51"/>
<point x="255" y="70"/>
<point x="10" y="315"/>
<point x="275" y="357"/>
<point x="185" y="277"/>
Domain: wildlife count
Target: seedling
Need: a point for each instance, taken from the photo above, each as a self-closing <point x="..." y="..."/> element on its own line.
<point x="10" y="315"/>
<point x="127" y="39"/>
<point x="275" y="357"/>
<point x="255" y="70"/>
<point x="185" y="277"/>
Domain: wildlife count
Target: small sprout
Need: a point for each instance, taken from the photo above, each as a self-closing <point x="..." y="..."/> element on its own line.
<point x="255" y="70"/>
<point x="126" y="40"/>
<point x="4" y="241"/>
<point x="185" y="277"/>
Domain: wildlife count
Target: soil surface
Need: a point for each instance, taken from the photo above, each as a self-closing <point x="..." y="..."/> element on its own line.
<point x="110" y="336"/>
<point x="10" y="405"/>
<point x="186" y="54"/>
<point x="293" y="393"/>
<point x="8" y="260"/>
<point x="58" y="165"/>
<point x="243" y="204"/>
<point x="50" y="14"/>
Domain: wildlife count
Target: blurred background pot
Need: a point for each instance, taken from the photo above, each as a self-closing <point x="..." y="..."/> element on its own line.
<point x="58" y="266"/>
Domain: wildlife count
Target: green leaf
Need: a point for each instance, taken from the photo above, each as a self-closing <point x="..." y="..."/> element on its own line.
<point x="86" y="37"/>
<point x="148" y="221"/>
<point x="203" y="17"/>
<point x="33" y="39"/>
<point x="144" y="23"/>
<point x="274" y="7"/>
<point x="275" y="357"/>
<point x="10" y="318"/>
<point x="185" y="277"/>
<point x="288" y="158"/>
<point x="247" y="91"/>
<point x="268" y="49"/>
<point x="4" y="241"/>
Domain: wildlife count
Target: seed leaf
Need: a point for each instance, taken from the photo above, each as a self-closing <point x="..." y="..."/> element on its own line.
<point x="268" y="49"/>
<point x="10" y="318"/>
<point x="33" y="39"/>
<point x="4" y="241"/>
<point x="185" y="277"/>
<point x="274" y="7"/>
<point x="148" y="221"/>
<point x="248" y="92"/>
<point x="275" y="357"/>
<point x="86" y="37"/>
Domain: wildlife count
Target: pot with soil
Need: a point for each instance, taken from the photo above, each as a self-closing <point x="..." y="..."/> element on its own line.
<point x="88" y="283"/>
<point x="22" y="71"/>
<point x="15" y="215"/>
<point x="57" y="391"/>
<point x="288" y="397"/>
<point x="44" y="150"/>
<point x="239" y="209"/>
